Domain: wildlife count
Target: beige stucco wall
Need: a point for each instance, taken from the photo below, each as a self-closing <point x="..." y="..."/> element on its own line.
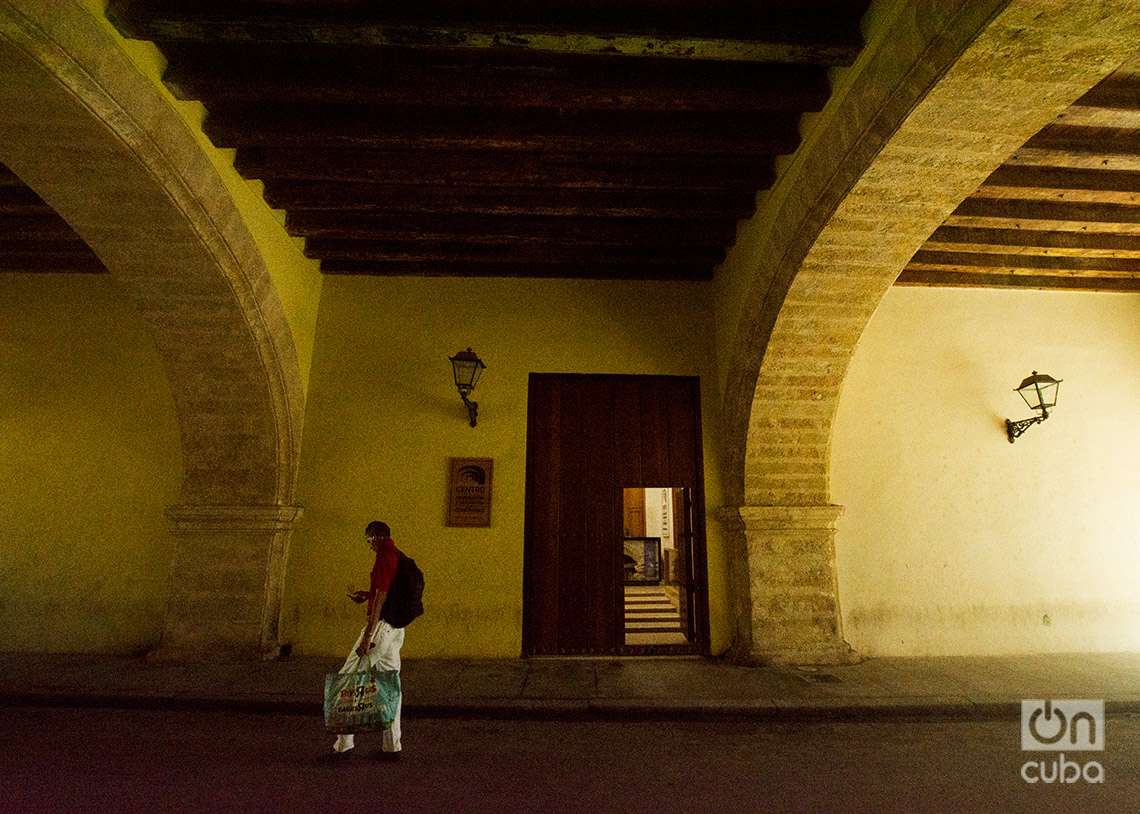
<point x="89" y="459"/>
<point x="954" y="541"/>
<point x="384" y="416"/>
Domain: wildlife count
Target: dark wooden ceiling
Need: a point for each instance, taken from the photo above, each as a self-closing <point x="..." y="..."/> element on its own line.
<point x="1062" y="212"/>
<point x="33" y="238"/>
<point x="618" y="139"/>
<point x="573" y="138"/>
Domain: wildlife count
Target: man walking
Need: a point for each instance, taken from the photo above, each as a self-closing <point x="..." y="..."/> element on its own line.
<point x="379" y="643"/>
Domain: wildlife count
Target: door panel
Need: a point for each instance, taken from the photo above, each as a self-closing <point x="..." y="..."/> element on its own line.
<point x="543" y="520"/>
<point x="627" y="429"/>
<point x="587" y="437"/>
<point x="602" y="515"/>
<point x="654" y="424"/>
<point x="682" y="541"/>
<point x="633" y="515"/>
<point x="680" y="424"/>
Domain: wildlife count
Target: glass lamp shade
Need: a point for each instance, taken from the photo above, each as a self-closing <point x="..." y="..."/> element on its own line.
<point x="1039" y="390"/>
<point x="467" y="368"/>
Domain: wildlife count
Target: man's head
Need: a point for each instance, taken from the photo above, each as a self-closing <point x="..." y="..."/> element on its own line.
<point x="376" y="531"/>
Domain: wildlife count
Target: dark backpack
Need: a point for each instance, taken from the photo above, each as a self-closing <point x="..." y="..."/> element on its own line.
<point x="405" y="600"/>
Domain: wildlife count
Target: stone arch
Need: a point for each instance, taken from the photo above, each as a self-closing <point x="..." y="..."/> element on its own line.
<point x="98" y="142"/>
<point x="945" y="96"/>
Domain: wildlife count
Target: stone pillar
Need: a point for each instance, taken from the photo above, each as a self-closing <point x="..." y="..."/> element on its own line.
<point x="792" y="585"/>
<point x="226" y="581"/>
<point x="739" y="579"/>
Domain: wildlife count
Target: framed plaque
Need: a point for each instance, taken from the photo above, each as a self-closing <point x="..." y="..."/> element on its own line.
<point x="469" y="492"/>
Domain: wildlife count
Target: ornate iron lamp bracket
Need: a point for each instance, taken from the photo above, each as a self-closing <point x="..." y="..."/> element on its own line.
<point x="1015" y="428"/>
<point x="472" y="409"/>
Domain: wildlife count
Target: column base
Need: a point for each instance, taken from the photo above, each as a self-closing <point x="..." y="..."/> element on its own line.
<point x="226" y="582"/>
<point x="830" y="656"/>
<point x="795" y="618"/>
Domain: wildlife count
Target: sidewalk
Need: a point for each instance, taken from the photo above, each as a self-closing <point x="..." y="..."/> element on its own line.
<point x="652" y="688"/>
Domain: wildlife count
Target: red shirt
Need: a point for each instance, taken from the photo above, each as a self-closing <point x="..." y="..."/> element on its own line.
<point x="384" y="571"/>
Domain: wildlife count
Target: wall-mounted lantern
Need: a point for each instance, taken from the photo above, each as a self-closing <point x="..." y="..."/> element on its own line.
<point x="467" y="368"/>
<point x="1040" y="393"/>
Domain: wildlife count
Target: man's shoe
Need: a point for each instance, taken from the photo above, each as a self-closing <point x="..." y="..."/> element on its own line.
<point x="390" y="757"/>
<point x="334" y="757"/>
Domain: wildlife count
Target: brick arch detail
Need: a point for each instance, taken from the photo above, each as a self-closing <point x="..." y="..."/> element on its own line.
<point x="97" y="141"/>
<point x="952" y="92"/>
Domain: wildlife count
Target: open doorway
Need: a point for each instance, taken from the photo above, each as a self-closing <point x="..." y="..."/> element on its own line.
<point x="656" y="551"/>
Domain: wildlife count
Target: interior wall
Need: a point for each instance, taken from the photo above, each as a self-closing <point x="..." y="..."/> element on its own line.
<point x="955" y="541"/>
<point x="89" y="460"/>
<point x="659" y="515"/>
<point x="384" y="417"/>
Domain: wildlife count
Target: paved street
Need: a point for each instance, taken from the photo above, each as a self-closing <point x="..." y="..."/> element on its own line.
<point x="115" y="760"/>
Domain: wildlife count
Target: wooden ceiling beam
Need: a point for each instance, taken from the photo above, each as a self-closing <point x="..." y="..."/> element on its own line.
<point x="409" y="130"/>
<point x="590" y="271"/>
<point x="34" y="238"/>
<point x="512" y="254"/>
<point x="596" y="139"/>
<point x="1038" y="225"/>
<point x="1047" y="210"/>
<point x="1101" y="117"/>
<point x="550" y="170"/>
<point x="1062" y="213"/>
<point x="298" y="76"/>
<point x="21" y="199"/>
<point x="1118" y="91"/>
<point x="32" y="245"/>
<point x="162" y="24"/>
<point x="1071" y="159"/>
<point x="64" y="262"/>
<point x="1037" y="263"/>
<point x="9" y="179"/>
<point x="38" y="226"/>
<point x="1083" y="139"/>
<point x="840" y="17"/>
<point x="1016" y="271"/>
<point x="361" y="198"/>
<point x="1038" y="239"/>
<point x="1108" y="180"/>
<point x="972" y="279"/>
<point x="486" y="230"/>
<point x="1055" y="194"/>
<point x="997" y="248"/>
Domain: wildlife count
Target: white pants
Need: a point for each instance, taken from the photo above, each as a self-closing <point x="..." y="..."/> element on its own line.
<point x="385" y="655"/>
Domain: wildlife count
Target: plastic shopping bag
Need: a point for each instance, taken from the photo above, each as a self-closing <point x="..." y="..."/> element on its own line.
<point x="361" y="701"/>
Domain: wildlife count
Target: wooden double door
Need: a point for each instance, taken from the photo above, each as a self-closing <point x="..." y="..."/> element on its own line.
<point x="589" y="438"/>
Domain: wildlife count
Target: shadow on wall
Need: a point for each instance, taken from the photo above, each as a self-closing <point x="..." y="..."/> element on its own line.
<point x="434" y="405"/>
<point x="977" y="387"/>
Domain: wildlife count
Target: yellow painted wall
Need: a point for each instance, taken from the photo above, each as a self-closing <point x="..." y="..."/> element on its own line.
<point x="89" y="459"/>
<point x="383" y="419"/>
<point x="954" y="541"/>
<point x="296" y="278"/>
